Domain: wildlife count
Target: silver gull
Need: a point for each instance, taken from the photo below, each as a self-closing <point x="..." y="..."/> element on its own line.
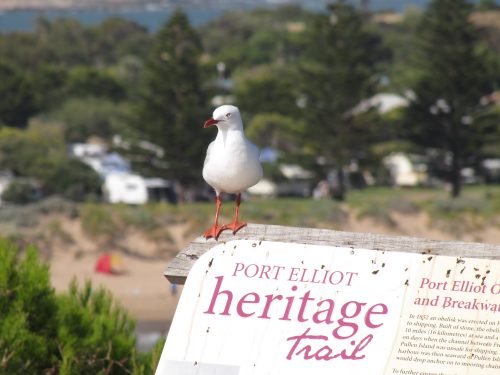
<point x="231" y="165"/>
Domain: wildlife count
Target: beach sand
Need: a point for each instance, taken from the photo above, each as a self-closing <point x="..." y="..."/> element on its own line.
<point x="148" y="295"/>
<point x="141" y="288"/>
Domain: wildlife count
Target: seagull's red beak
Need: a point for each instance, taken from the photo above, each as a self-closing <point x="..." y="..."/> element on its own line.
<point x="210" y="122"/>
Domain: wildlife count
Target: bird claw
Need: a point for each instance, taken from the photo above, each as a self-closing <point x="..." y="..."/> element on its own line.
<point x="234" y="227"/>
<point x="214" y="232"/>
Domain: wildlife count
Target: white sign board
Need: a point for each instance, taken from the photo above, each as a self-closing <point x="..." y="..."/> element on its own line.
<point x="279" y="308"/>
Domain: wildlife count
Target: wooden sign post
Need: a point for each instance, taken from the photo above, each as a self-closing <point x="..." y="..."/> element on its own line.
<point x="280" y="300"/>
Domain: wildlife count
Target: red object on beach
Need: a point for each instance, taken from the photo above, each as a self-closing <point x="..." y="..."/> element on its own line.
<point x="103" y="264"/>
<point x="111" y="264"/>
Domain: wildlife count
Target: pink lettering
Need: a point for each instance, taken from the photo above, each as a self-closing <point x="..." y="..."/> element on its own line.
<point x="357" y="348"/>
<point x="325" y="352"/>
<point x="351" y="275"/>
<point x="345" y="318"/>
<point x="244" y="300"/>
<point x="265" y="271"/>
<point x="306" y="349"/>
<point x="371" y="311"/>
<point x="340" y="277"/>
<point x="305" y="298"/>
<point x="342" y="321"/>
<point x="289" y="305"/>
<point x="328" y="312"/>
<point x="321" y="276"/>
<point x="294" y="273"/>
<point x="239" y="267"/>
<point x="269" y="299"/>
<point x="217" y="292"/>
<point x="251" y="270"/>
<point x="260" y="271"/>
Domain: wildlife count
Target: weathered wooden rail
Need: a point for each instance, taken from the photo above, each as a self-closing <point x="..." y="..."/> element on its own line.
<point x="178" y="270"/>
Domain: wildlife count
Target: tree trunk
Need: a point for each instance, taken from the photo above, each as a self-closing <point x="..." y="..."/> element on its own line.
<point x="456" y="176"/>
<point x="339" y="192"/>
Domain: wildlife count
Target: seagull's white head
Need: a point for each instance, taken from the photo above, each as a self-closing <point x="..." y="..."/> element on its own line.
<point x="225" y="117"/>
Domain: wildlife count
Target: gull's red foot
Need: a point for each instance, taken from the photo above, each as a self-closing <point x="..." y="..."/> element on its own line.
<point x="214" y="232"/>
<point x="235" y="226"/>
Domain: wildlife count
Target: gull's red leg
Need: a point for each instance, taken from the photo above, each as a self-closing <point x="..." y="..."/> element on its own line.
<point x="215" y="230"/>
<point x="235" y="225"/>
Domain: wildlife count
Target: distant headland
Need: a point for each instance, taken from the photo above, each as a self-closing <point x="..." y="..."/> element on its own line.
<point x="11" y="5"/>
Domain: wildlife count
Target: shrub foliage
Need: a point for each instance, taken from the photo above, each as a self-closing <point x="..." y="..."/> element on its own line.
<point x="79" y="332"/>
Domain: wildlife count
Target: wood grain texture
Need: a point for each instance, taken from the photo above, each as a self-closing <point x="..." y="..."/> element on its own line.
<point x="179" y="267"/>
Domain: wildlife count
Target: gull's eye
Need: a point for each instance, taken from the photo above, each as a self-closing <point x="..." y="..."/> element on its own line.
<point x="228" y="115"/>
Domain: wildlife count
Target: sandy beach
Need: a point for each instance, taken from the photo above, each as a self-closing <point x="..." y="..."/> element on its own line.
<point x="148" y="295"/>
<point x="142" y="288"/>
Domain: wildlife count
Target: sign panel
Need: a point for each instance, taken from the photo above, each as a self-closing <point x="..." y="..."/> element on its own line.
<point x="278" y="308"/>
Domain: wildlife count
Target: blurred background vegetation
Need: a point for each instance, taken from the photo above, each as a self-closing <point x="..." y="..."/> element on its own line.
<point x="308" y="85"/>
<point x="303" y="81"/>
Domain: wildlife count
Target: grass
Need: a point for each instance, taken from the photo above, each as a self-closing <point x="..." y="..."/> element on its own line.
<point x="101" y="220"/>
<point x="478" y="207"/>
<point x="294" y="212"/>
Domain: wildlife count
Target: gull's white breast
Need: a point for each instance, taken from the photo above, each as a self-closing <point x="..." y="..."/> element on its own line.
<point x="232" y="163"/>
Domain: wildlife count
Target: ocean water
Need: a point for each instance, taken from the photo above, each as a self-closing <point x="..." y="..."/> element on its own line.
<point x="153" y="17"/>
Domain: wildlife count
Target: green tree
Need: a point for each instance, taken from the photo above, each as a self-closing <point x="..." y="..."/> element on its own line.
<point x="71" y="179"/>
<point x="116" y="38"/>
<point x="448" y="112"/>
<point x="21" y="50"/>
<point x="400" y="38"/>
<point x="17" y="103"/>
<point x="82" y="118"/>
<point x="21" y="192"/>
<point x="25" y="152"/>
<point x="245" y="38"/>
<point x="40" y="153"/>
<point x="49" y="86"/>
<point x="88" y="81"/>
<point x="82" y="331"/>
<point x="28" y="306"/>
<point x="96" y="335"/>
<point x="267" y="89"/>
<point x="172" y="108"/>
<point x="340" y="70"/>
<point x="275" y="130"/>
<point x="484" y="5"/>
<point x="64" y="42"/>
